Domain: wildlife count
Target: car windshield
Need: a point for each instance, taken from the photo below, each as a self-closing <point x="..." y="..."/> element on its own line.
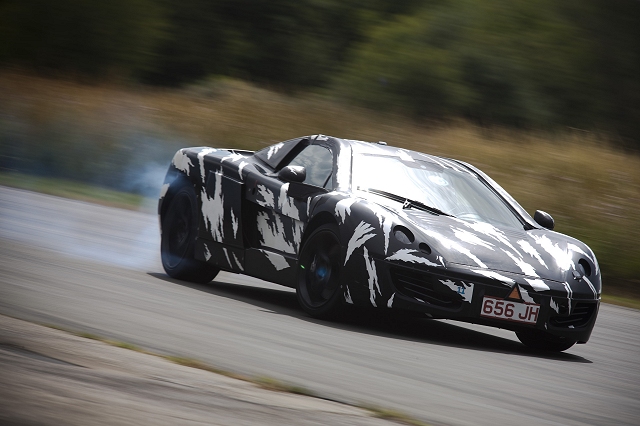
<point x="455" y="192"/>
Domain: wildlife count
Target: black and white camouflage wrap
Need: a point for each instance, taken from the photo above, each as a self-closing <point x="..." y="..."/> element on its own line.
<point x="251" y="223"/>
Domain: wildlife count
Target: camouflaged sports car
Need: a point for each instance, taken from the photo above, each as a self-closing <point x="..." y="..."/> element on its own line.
<point x="350" y="222"/>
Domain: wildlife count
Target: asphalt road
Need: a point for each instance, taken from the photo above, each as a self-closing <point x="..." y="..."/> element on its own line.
<point x="97" y="269"/>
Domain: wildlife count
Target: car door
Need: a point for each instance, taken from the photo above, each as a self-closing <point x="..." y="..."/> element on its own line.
<point x="277" y="211"/>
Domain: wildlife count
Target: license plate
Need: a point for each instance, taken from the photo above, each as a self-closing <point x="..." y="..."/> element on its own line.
<point x="492" y="307"/>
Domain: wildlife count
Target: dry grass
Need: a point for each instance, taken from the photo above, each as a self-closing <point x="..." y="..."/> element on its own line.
<point x="591" y="188"/>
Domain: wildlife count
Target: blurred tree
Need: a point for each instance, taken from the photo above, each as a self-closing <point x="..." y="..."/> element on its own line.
<point x="543" y="59"/>
<point x="516" y="62"/>
<point x="195" y="44"/>
<point x="95" y="38"/>
<point x="288" y="43"/>
<point x="280" y="41"/>
<point x="613" y="29"/>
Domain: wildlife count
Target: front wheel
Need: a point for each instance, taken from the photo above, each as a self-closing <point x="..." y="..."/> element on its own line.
<point x="179" y="231"/>
<point x="541" y="341"/>
<point x="318" y="288"/>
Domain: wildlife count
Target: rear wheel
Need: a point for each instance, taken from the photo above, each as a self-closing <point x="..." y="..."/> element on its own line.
<point x="179" y="231"/>
<point x="541" y="341"/>
<point x="318" y="289"/>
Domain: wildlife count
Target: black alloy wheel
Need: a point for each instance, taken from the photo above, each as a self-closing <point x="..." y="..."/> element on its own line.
<point x="319" y="291"/>
<point x="179" y="231"/>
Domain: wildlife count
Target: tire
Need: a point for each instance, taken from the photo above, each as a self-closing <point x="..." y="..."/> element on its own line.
<point x="179" y="231"/>
<point x="319" y="291"/>
<point x="541" y="341"/>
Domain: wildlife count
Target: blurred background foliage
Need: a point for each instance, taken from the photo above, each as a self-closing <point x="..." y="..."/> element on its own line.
<point x="98" y="39"/>
<point x="522" y="63"/>
<point x="542" y="95"/>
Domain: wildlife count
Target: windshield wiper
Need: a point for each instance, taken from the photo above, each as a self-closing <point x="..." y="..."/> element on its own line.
<point x="406" y="202"/>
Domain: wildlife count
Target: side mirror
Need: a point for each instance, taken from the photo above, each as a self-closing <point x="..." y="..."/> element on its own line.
<point x="292" y="174"/>
<point x="544" y="219"/>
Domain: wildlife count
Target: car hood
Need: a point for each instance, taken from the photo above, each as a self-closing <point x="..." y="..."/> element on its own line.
<point x="536" y="253"/>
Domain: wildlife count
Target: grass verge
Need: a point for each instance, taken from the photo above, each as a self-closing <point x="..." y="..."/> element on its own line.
<point x="72" y="190"/>
<point x="626" y="301"/>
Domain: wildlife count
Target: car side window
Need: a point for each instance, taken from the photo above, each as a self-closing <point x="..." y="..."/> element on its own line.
<point x="318" y="162"/>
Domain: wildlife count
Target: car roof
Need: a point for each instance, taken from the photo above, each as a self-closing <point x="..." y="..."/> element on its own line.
<point x="377" y="148"/>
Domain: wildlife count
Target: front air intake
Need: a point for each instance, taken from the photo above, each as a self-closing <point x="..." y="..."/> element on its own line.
<point x="581" y="316"/>
<point x="420" y="286"/>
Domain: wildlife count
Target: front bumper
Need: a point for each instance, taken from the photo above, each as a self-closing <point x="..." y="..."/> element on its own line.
<point x="457" y="293"/>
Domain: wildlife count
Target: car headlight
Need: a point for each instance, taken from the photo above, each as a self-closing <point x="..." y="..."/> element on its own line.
<point x="583" y="269"/>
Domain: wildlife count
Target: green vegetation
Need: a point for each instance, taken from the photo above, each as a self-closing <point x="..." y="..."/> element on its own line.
<point x="519" y="63"/>
<point x="94" y="39"/>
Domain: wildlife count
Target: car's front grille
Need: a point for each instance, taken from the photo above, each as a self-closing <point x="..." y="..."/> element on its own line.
<point x="581" y="315"/>
<point x="419" y="286"/>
